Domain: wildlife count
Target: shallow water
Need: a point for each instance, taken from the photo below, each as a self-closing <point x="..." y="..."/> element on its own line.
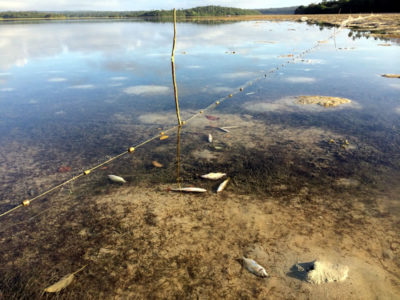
<point x="76" y="93"/>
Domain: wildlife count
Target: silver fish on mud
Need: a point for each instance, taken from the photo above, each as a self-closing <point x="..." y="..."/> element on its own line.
<point x="115" y="178"/>
<point x="213" y="176"/>
<point x="223" y="185"/>
<point x="254" y="267"/>
<point x="190" y="190"/>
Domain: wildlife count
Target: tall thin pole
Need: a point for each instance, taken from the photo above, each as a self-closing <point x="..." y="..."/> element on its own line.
<point x="173" y="73"/>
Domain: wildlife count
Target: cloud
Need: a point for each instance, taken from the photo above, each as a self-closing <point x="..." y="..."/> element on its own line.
<point x="120" y="78"/>
<point x="82" y="86"/>
<point x="147" y="90"/>
<point x="395" y="85"/>
<point x="300" y="79"/>
<point x="235" y="75"/>
<point x="57" y="79"/>
<point x="137" y="5"/>
<point x="7" y="89"/>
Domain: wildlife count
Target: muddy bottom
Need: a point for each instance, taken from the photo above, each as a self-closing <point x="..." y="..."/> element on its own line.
<point x="145" y="242"/>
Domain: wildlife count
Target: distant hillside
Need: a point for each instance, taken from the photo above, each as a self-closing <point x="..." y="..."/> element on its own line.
<point x="202" y="11"/>
<point x="192" y="12"/>
<point x="350" y="6"/>
<point x="278" y="11"/>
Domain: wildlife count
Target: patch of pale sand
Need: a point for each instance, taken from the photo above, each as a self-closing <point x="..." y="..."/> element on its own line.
<point x="82" y="86"/>
<point x="147" y="90"/>
<point x="300" y="79"/>
<point x="205" y="155"/>
<point x="347" y="182"/>
<point x="164" y="118"/>
<point x="289" y="104"/>
<point x="193" y="243"/>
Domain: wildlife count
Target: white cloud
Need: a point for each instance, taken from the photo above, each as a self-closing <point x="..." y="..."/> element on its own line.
<point x="138" y="4"/>
<point x="120" y="78"/>
<point x="82" y="86"/>
<point x="395" y="85"/>
<point x="7" y="89"/>
<point x="235" y="75"/>
<point x="146" y="90"/>
<point x="300" y="79"/>
<point x="57" y="79"/>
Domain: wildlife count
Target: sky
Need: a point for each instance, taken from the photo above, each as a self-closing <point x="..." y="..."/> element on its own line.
<point x="123" y="5"/>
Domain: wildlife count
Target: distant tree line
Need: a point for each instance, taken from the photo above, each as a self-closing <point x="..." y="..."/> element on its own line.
<point x="192" y="12"/>
<point x="350" y="6"/>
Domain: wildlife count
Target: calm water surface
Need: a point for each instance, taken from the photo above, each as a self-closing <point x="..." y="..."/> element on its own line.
<point x="72" y="93"/>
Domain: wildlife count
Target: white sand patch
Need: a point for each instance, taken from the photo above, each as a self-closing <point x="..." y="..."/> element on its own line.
<point x="289" y="104"/>
<point x="57" y="79"/>
<point x="239" y="75"/>
<point x="300" y="79"/>
<point x="7" y="89"/>
<point x="395" y="85"/>
<point x="82" y="86"/>
<point x="147" y="90"/>
<point x="325" y="272"/>
<point x="119" y="78"/>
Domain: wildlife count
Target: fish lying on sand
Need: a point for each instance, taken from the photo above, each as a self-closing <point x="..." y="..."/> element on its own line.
<point x="210" y="138"/>
<point x="254" y="267"/>
<point x="115" y="178"/>
<point x="189" y="190"/>
<point x="223" y="185"/>
<point x="213" y="176"/>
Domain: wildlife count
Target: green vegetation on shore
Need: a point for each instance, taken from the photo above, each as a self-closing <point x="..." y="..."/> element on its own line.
<point x="350" y="6"/>
<point x="192" y="12"/>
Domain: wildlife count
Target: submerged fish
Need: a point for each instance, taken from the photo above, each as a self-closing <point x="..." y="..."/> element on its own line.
<point x="212" y="118"/>
<point x="210" y="138"/>
<point x="213" y="176"/>
<point x="254" y="267"/>
<point x="156" y="164"/>
<point x="190" y="190"/>
<point x="115" y="178"/>
<point x="223" y="185"/>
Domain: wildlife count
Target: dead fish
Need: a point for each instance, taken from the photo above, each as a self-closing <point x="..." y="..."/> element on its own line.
<point x="190" y="190"/>
<point x="210" y="138"/>
<point x="223" y="185"/>
<point x="223" y="129"/>
<point x="156" y="164"/>
<point x="212" y="118"/>
<point x="251" y="93"/>
<point x="213" y="176"/>
<point x="115" y="178"/>
<point x="254" y="267"/>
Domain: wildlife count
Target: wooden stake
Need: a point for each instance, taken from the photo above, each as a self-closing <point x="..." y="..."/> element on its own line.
<point x="173" y="72"/>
